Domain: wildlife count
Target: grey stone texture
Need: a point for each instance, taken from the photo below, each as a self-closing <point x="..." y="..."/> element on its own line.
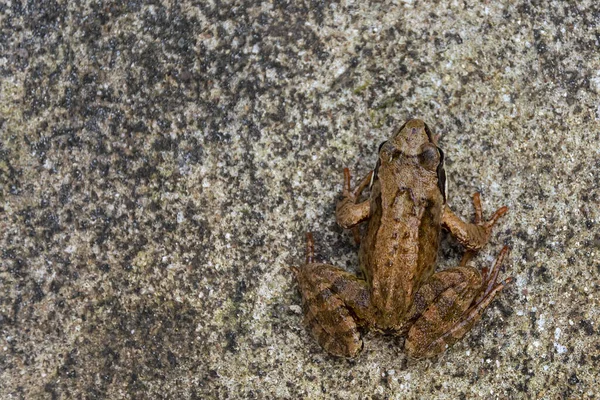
<point x="161" y="161"/>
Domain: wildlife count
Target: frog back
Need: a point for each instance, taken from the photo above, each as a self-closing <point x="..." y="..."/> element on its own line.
<point x="399" y="249"/>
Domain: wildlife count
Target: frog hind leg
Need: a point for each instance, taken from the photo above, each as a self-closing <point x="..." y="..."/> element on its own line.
<point x="448" y="305"/>
<point x="335" y="304"/>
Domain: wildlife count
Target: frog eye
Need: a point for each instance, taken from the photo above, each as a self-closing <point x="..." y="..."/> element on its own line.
<point x="429" y="158"/>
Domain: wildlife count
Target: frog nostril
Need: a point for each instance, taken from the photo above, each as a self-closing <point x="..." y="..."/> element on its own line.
<point x="414" y="131"/>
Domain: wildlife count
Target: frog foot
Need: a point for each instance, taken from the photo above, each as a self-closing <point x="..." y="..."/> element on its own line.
<point x="479" y="214"/>
<point x="472" y="235"/>
<point x="348" y="212"/>
<point x="485" y="227"/>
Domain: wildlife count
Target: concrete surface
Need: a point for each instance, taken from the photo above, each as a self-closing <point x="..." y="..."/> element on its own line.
<point x="159" y="165"/>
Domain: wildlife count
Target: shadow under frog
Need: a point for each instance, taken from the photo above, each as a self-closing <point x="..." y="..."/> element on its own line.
<point x="401" y="294"/>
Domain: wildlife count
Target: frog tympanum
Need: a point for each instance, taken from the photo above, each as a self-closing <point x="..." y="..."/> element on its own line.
<point x="399" y="291"/>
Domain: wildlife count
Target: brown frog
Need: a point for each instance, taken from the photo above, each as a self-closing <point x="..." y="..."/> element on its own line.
<point x="400" y="293"/>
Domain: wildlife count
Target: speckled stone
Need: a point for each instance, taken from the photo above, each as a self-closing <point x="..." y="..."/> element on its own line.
<point x="159" y="165"/>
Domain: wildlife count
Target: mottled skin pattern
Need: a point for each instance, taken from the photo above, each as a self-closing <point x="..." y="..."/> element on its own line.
<point x="400" y="292"/>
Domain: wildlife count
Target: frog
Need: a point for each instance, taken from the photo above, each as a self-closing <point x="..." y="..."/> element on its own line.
<point x="398" y="292"/>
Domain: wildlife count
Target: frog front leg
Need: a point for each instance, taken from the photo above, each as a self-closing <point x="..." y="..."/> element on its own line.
<point x="335" y="304"/>
<point x="348" y="212"/>
<point x="448" y="304"/>
<point x="472" y="236"/>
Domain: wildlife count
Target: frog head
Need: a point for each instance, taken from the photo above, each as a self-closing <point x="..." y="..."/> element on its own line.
<point x="414" y="143"/>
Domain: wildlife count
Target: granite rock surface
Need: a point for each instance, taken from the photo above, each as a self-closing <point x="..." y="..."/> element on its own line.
<point x="160" y="163"/>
